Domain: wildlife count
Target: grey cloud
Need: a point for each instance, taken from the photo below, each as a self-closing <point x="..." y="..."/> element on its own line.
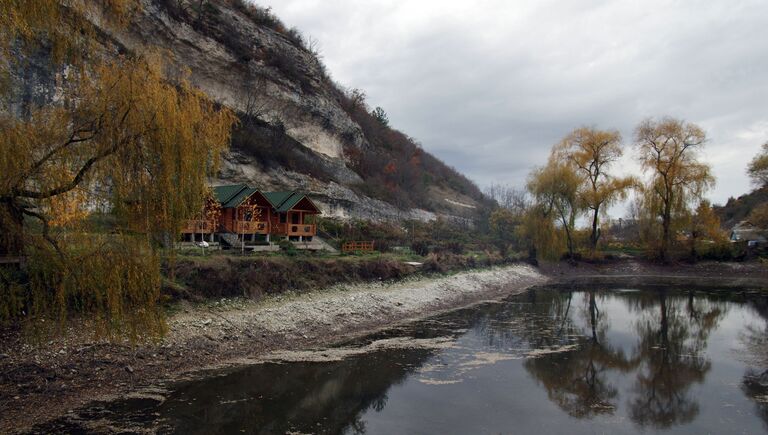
<point x="489" y="86"/>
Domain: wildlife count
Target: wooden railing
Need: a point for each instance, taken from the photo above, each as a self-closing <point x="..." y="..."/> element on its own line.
<point x="357" y="246"/>
<point x="194" y="226"/>
<point x="295" y="229"/>
<point x="302" y="230"/>
<point x="252" y="227"/>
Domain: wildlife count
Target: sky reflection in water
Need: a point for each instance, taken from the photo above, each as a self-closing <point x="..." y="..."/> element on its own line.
<point x="545" y="362"/>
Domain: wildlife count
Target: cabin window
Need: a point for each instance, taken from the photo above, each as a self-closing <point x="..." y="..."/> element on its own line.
<point x="283" y="218"/>
<point x="295" y="218"/>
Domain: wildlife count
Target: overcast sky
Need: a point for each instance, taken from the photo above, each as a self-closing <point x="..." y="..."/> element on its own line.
<point x="489" y="85"/>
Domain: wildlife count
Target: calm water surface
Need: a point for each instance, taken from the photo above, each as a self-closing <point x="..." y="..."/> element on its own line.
<point x="551" y="361"/>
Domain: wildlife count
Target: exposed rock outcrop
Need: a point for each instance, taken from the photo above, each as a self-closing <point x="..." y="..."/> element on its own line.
<point x="297" y="132"/>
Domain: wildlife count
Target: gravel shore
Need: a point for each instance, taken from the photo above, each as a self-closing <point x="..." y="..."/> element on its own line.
<point x="46" y="380"/>
<point x="42" y="381"/>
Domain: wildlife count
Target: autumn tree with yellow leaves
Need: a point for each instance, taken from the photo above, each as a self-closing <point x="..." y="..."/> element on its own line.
<point x="578" y="179"/>
<point x="705" y="225"/>
<point x="575" y="180"/>
<point x="591" y="153"/>
<point x="669" y="151"/>
<point x="555" y="190"/>
<point x="122" y="138"/>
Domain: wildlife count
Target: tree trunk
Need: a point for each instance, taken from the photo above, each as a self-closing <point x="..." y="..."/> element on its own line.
<point x="567" y="229"/>
<point x="664" y="332"/>
<point x="666" y="236"/>
<point x="569" y="242"/>
<point x="11" y="230"/>
<point x="694" y="254"/>
<point x="595" y="235"/>
<point x="593" y="315"/>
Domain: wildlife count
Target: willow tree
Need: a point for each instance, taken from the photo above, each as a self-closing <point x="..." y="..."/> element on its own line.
<point x="669" y="150"/>
<point x="592" y="152"/>
<point x="555" y="189"/>
<point x="121" y="140"/>
<point x="538" y="232"/>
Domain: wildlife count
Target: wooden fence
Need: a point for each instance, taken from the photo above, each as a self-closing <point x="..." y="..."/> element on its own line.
<point x="357" y="246"/>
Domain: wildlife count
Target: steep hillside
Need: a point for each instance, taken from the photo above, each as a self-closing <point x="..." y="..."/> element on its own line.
<point x="737" y="210"/>
<point x="298" y="130"/>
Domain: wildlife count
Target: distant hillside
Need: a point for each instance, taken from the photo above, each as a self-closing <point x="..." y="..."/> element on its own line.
<point x="299" y="129"/>
<point x="736" y="210"/>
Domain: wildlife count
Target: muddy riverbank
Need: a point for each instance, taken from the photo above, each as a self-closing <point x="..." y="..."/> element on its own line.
<point x="594" y="360"/>
<point x="635" y="273"/>
<point x="40" y="381"/>
<point x="43" y="380"/>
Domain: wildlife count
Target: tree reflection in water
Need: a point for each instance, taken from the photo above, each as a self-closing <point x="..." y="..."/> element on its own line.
<point x="672" y="336"/>
<point x="667" y="359"/>
<point x="754" y="338"/>
<point x="639" y="355"/>
<point x="577" y="381"/>
<point x="266" y="399"/>
<point x="541" y="323"/>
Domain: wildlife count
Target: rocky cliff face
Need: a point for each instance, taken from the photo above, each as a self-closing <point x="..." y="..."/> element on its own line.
<point x="298" y="130"/>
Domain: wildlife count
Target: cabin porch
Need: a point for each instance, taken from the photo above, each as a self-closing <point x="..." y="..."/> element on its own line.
<point x="295" y="225"/>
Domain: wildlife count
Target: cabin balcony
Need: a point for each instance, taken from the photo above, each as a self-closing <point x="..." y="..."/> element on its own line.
<point x="198" y="226"/>
<point x="292" y="230"/>
<point x="251" y="227"/>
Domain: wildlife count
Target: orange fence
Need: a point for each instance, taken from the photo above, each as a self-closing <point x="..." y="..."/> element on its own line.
<point x="357" y="247"/>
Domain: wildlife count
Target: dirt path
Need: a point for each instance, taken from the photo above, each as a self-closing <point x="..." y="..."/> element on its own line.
<point x="43" y="381"/>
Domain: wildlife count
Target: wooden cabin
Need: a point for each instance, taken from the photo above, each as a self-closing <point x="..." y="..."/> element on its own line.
<point x="247" y="213"/>
<point x="239" y="213"/>
<point x="293" y="215"/>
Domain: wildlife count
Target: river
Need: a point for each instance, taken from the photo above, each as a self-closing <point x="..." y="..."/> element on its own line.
<point x="547" y="362"/>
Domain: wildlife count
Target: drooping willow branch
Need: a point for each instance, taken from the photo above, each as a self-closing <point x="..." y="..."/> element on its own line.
<point x="75" y="138"/>
<point x="46" y="229"/>
<point x="87" y="166"/>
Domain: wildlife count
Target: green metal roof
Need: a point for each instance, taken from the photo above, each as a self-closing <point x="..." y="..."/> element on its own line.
<point x="224" y="194"/>
<point x="279" y="199"/>
<point x="284" y="201"/>
<point x="233" y="195"/>
<point x="240" y="197"/>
